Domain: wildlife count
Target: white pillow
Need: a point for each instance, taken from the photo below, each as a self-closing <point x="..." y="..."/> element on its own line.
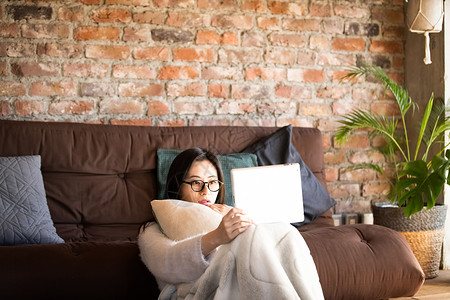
<point x="181" y="219"/>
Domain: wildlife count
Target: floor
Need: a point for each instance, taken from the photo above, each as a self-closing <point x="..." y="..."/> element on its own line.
<point x="437" y="288"/>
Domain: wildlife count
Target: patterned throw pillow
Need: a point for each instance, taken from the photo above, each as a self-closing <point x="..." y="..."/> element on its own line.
<point x="24" y="213"/>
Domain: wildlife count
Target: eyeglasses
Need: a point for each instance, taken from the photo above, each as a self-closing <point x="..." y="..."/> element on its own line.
<point x="198" y="185"/>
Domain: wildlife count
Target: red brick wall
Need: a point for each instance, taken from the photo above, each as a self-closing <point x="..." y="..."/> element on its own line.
<point x="205" y="62"/>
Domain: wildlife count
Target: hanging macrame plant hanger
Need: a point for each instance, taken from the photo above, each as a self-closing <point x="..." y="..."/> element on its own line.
<point x="425" y="16"/>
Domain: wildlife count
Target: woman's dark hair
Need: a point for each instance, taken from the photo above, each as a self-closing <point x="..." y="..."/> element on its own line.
<point x="181" y="165"/>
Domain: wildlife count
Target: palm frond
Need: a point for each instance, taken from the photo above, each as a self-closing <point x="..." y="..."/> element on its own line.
<point x="423" y="127"/>
<point x="439" y="124"/>
<point x="400" y="94"/>
<point x="371" y="166"/>
<point x="360" y="119"/>
<point x="378" y="124"/>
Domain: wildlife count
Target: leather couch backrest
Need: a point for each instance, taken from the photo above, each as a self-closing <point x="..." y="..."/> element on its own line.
<point x="100" y="179"/>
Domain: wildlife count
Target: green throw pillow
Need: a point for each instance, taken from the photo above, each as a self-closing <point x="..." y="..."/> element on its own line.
<point x="228" y="162"/>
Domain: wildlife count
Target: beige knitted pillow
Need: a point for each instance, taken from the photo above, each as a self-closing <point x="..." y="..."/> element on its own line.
<point x="179" y="219"/>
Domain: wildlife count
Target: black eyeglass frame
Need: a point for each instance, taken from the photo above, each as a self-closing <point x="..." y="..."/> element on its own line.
<point x="203" y="185"/>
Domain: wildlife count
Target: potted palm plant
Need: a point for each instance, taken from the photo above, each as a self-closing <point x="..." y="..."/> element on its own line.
<point x="418" y="177"/>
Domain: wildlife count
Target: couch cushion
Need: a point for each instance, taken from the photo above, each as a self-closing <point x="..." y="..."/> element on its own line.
<point x="278" y="149"/>
<point x="363" y="262"/>
<point x="24" y="214"/>
<point x="228" y="162"/>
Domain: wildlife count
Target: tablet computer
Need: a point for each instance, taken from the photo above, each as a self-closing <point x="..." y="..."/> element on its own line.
<point x="269" y="193"/>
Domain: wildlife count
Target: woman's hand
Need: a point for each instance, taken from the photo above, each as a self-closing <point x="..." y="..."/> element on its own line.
<point x="233" y="223"/>
<point x="220" y="208"/>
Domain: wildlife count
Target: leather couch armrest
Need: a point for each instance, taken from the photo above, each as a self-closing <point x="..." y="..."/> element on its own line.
<point x="364" y="262"/>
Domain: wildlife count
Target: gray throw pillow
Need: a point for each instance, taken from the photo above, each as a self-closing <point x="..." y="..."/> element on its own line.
<point x="228" y="162"/>
<point x="24" y="213"/>
<point x="277" y="148"/>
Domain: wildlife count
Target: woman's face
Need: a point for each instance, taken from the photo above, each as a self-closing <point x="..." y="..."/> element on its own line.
<point x="200" y="170"/>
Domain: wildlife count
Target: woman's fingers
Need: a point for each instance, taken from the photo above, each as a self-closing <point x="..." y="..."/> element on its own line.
<point x="220" y="208"/>
<point x="235" y="211"/>
<point x="236" y="222"/>
<point x="238" y="215"/>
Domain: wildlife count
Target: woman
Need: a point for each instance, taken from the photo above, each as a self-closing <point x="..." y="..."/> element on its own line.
<point x="194" y="176"/>
<point x="267" y="261"/>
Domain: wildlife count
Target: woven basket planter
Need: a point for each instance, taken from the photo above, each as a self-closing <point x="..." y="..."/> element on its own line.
<point x="424" y="232"/>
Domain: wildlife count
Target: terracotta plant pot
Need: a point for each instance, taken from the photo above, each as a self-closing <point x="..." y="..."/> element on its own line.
<point x="424" y="232"/>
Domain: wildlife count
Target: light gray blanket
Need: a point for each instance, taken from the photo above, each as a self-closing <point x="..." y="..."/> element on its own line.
<point x="267" y="261"/>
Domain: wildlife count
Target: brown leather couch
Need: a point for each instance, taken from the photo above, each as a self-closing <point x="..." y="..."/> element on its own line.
<point x="99" y="180"/>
